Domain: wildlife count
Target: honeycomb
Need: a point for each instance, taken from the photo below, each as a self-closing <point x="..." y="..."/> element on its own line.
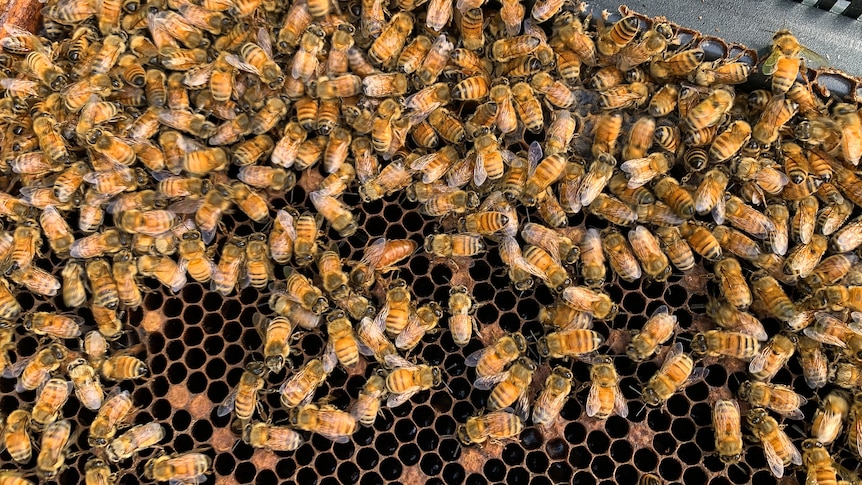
<point x="197" y="342"/>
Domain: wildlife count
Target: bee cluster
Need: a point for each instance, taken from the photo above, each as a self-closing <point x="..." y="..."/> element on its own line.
<point x="470" y="159"/>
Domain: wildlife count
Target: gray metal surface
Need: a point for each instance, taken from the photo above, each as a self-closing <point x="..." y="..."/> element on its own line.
<point x="752" y="22"/>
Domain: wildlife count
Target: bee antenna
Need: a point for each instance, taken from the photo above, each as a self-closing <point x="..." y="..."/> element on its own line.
<point x="683" y="338"/>
<point x="641" y="410"/>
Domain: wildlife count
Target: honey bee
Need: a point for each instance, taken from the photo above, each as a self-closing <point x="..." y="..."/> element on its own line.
<point x="299" y="388"/>
<point x="597" y="177"/>
<point x="717" y="343"/>
<point x="136" y="439"/>
<point x="552" y="272"/>
<point x="300" y="289"/>
<point x="276" y="333"/>
<point x="334" y="279"/>
<point x="119" y="367"/>
<point x="556" y="92"/>
<point x="258" y="267"/>
<point x="784" y="62"/>
<point x="727" y="423"/>
<point x="779" y="450"/>
<point x="41" y="65"/>
<point x="13" y="207"/>
<point x="676" y="372"/>
<point x="735" y="242"/>
<point x="225" y="275"/>
<point x="294" y="135"/>
<point x="451" y="129"/>
<point x="423" y="320"/>
<point x="776" y="397"/>
<point x="569" y="343"/>
<point x="164" y="269"/>
<point x="718" y="72"/>
<point x="733" y="285"/>
<point x="620" y="255"/>
<point x="271" y="438"/>
<point x="52" y="452"/>
<point x="461" y="323"/>
<point x="612" y="40"/>
<point x="494" y="426"/>
<point x="16" y="436"/>
<point x="655" y="332"/>
<point x="57" y="326"/>
<point x="829" y="418"/>
<point x="710" y="111"/>
<point x="325" y="420"/>
<point x="342" y="344"/>
<point x="243" y="399"/>
<point x="334" y="211"/>
<point x="51" y="398"/>
<point x="646" y="248"/>
<point x="779" y="239"/>
<point x="552" y="398"/>
<point x="403" y="382"/>
<point x="185" y="467"/>
<point x="305" y="231"/>
<point x="389" y="44"/>
<point x="813" y="361"/>
<point x="380" y="258"/>
<point x="730" y="141"/>
<point x="587" y="300"/>
<point x="592" y="259"/>
<point x="87" y="386"/>
<point x="391" y="178"/>
<point x="35" y="370"/>
<point x="605" y="397"/>
<point x="489" y="159"/>
<point x="527" y="106"/>
<point x="776" y="114"/>
<point x="767" y="290"/>
<point x="282" y="237"/>
<point x="367" y="405"/>
<point x="36" y="280"/>
<point x="195" y="257"/>
<point x="457" y="245"/>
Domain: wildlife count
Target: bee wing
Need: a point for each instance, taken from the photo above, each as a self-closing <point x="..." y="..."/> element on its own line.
<point x="395" y="400"/>
<point x="340" y="438"/>
<point x="621" y="406"/>
<point x="286" y="220"/>
<point x="227" y="405"/>
<point x="759" y="362"/>
<point x="240" y="64"/>
<point x="769" y="65"/>
<point x="17" y="368"/>
<point x="374" y="253"/>
<point x="638" y="170"/>
<point x="776" y="464"/>
<point x="724" y="422"/>
<point x="858" y="425"/>
<point x="186" y="206"/>
<point x="264" y="41"/>
<point x="813" y="59"/>
<point x="593" y="401"/>
<point x="534" y="155"/>
<point x="480" y="174"/>
<point x="394" y="361"/>
<point x="522" y="405"/>
<point x="198" y="76"/>
<point x="410" y="333"/>
<point x="473" y="359"/>
<point x="697" y="374"/>
<point x="719" y="210"/>
<point x="819" y="335"/>
<point x="487" y="382"/>
<point x="856" y="324"/>
<point x="793" y="413"/>
<point x="329" y="358"/>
